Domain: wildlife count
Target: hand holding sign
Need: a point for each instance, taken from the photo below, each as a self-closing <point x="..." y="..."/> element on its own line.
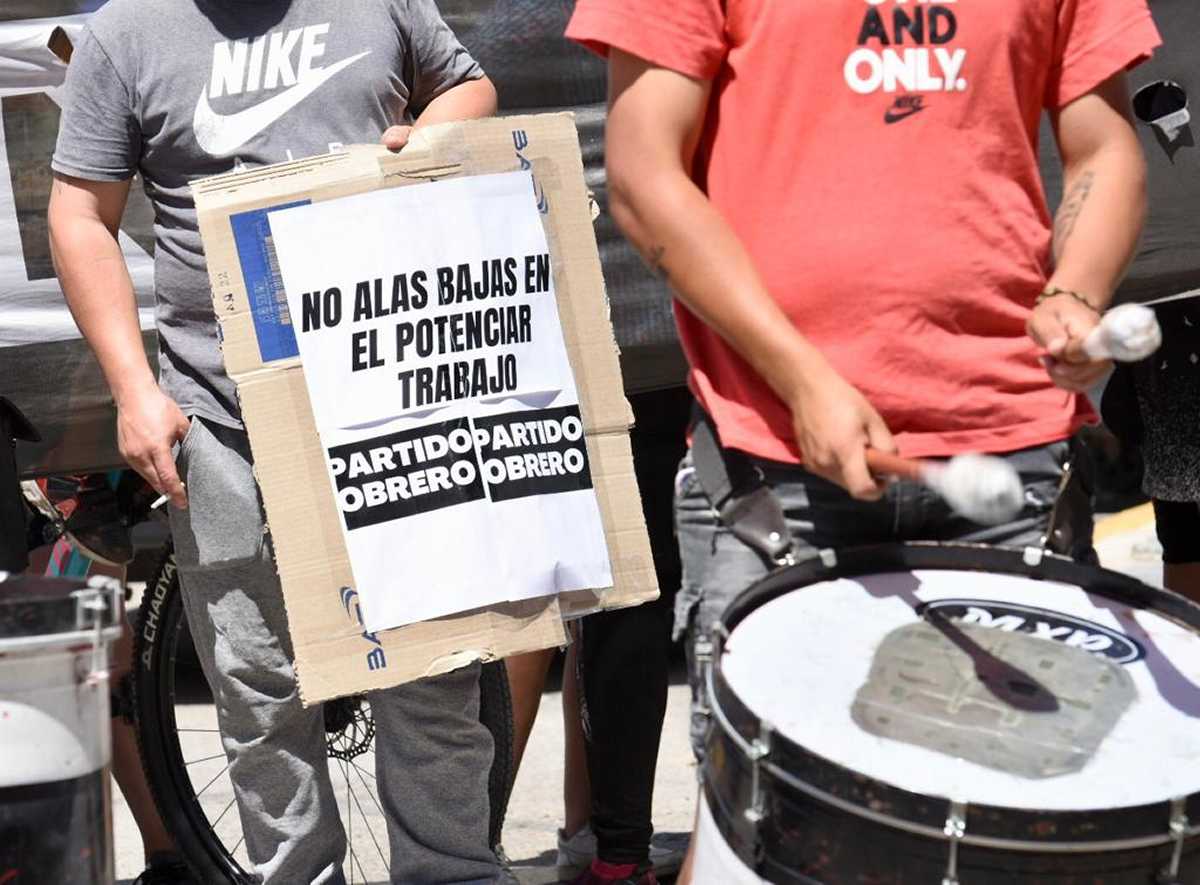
<point x="440" y="383"/>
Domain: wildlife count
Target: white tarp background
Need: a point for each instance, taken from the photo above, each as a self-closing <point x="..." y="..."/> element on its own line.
<point x="26" y="60"/>
<point x="45" y="366"/>
<point x="32" y="309"/>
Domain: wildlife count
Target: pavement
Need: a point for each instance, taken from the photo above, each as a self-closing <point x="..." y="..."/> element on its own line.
<point x="1125" y="542"/>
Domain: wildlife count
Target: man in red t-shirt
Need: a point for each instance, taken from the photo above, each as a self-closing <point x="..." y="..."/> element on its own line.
<point x="845" y="198"/>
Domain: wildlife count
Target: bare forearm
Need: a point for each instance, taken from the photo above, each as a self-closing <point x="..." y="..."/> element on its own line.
<point x="1097" y="226"/>
<point x="466" y="101"/>
<point x="684" y="239"/>
<point x="99" y="292"/>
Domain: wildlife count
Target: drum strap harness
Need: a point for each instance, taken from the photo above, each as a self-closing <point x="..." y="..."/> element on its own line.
<point x="743" y="501"/>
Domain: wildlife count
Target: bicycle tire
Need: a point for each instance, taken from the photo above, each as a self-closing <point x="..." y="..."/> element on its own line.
<point x="159" y="621"/>
<point x="160" y="625"/>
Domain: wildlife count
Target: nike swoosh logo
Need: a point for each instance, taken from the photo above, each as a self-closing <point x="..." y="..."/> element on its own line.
<point x="892" y="117"/>
<point x="223" y="134"/>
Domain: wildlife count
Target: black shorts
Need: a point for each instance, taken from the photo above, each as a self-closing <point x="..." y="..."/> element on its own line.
<point x="1178" y="524"/>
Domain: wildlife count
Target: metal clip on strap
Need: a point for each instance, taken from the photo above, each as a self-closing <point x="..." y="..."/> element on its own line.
<point x="744" y="503"/>
<point x="757" y="519"/>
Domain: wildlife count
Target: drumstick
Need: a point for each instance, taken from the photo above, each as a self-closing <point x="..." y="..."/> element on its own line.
<point x="985" y="490"/>
<point x="1127" y="334"/>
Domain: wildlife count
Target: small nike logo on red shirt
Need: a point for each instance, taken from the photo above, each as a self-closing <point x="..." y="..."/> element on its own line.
<point x="904" y="107"/>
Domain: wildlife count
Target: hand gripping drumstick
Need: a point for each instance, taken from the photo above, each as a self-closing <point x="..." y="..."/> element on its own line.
<point x="985" y="490"/>
<point x="1127" y="334"/>
<point x="988" y="490"/>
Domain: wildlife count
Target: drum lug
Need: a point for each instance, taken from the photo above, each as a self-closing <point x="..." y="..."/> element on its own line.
<point x="97" y="608"/>
<point x="702" y="651"/>
<point x="955" y="829"/>
<point x="705" y="650"/>
<point x="759" y="752"/>
<point x="1178" y="829"/>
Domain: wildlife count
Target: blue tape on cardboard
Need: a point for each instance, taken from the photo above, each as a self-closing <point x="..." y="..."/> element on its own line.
<point x="264" y="285"/>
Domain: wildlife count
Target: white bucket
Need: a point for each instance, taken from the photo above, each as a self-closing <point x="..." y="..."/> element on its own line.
<point x="55" y="806"/>
<point x="714" y="860"/>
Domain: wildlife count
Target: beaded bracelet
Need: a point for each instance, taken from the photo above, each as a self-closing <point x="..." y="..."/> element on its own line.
<point x="1052" y="291"/>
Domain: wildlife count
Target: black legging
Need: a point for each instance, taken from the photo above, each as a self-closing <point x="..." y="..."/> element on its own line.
<point x="624" y="655"/>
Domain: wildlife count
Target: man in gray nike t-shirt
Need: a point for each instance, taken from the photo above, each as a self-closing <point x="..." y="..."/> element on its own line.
<point x="173" y="90"/>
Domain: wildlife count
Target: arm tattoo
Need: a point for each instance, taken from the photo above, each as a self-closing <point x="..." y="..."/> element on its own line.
<point x="1068" y="212"/>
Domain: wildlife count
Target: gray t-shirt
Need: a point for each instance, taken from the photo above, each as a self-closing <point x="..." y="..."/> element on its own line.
<point x="175" y="90"/>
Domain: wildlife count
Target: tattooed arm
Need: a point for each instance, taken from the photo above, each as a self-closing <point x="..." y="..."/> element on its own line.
<point x="1097" y="226"/>
<point x="1072" y="205"/>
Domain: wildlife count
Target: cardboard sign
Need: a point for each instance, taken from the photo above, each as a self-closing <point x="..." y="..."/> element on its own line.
<point x="336" y="653"/>
<point x="440" y="383"/>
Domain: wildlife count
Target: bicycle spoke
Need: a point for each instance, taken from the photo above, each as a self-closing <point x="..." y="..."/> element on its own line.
<point x="205" y="759"/>
<point x="370" y="831"/>
<point x="198" y="731"/>
<point x="213" y="781"/>
<point x="367" y="787"/>
<point x="350" y="821"/>
<point x="363" y="771"/>
<point x="239" y="845"/>
<point x="223" y="813"/>
<point x="354" y="860"/>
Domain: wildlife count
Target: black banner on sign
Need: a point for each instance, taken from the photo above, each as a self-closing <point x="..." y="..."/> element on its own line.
<point x="533" y="453"/>
<point x="402" y="474"/>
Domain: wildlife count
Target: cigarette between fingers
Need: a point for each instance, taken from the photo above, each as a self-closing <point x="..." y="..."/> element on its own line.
<point x="162" y="499"/>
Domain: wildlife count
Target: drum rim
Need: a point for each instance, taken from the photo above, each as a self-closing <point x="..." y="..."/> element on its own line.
<point x="998" y="827"/>
<point x="58" y="612"/>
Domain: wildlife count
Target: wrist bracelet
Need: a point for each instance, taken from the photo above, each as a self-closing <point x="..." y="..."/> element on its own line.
<point x="1052" y="291"/>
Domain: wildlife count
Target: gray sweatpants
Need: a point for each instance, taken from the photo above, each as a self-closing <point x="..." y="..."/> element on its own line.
<point x="432" y="753"/>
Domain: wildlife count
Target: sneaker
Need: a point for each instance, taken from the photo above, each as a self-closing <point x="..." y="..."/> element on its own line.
<point x="576" y="853"/>
<point x="170" y="871"/>
<point x="600" y="873"/>
<point x="508" y="876"/>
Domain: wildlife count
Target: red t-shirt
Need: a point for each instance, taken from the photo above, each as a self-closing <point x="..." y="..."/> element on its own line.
<point x="878" y="160"/>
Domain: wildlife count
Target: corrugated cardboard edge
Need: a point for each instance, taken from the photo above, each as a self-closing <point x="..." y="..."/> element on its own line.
<point x="333" y="654"/>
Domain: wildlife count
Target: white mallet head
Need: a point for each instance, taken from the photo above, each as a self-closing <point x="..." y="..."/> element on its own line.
<point x="1127" y="334"/>
<point x="984" y="489"/>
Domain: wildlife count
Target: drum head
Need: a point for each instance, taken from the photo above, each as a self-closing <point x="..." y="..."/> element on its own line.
<point x="995" y="689"/>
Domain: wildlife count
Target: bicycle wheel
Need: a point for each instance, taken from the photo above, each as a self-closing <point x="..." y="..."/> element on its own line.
<point x="189" y="773"/>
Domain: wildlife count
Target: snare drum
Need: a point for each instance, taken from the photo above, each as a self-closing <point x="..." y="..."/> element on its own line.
<point x="55" y="818"/>
<point x="923" y="714"/>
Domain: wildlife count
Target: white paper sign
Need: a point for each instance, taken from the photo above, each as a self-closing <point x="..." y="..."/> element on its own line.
<point x="428" y="328"/>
